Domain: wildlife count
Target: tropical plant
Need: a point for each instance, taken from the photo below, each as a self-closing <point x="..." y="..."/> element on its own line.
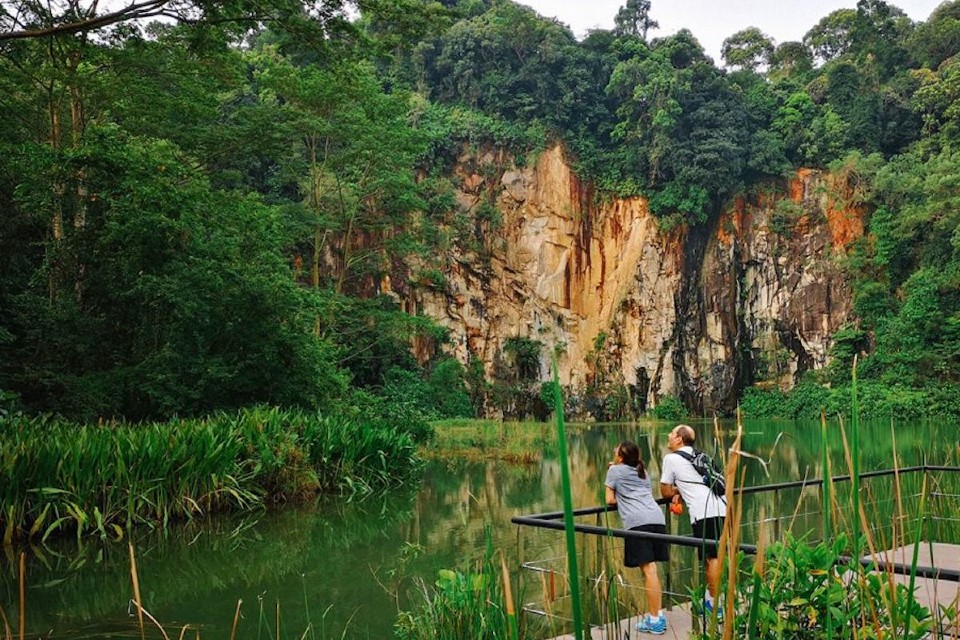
<point x="152" y="474"/>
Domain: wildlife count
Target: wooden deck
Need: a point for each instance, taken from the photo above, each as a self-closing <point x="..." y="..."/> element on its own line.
<point x="679" y="626"/>
<point x="930" y="593"/>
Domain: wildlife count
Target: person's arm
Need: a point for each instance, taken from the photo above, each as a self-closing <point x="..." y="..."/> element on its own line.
<point x="611" y="497"/>
<point x="668" y="488"/>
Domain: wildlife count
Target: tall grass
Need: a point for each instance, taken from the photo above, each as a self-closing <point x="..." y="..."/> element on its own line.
<point x="801" y="589"/>
<point x="469" y="439"/>
<point x="60" y="476"/>
<point x="477" y="603"/>
<point x="568" y="508"/>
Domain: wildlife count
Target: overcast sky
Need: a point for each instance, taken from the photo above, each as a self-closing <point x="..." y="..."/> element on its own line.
<point x="713" y="21"/>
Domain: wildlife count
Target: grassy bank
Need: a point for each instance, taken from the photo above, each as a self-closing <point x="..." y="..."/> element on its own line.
<point x="60" y="476"/>
<point x="469" y="439"/>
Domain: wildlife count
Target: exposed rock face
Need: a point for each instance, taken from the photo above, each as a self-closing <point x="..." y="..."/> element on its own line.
<point x="695" y="313"/>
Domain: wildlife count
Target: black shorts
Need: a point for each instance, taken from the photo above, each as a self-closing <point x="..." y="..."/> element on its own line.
<point x="639" y="551"/>
<point x="708" y="529"/>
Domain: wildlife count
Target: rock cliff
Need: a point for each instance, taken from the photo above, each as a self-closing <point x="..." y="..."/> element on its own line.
<point x="696" y="313"/>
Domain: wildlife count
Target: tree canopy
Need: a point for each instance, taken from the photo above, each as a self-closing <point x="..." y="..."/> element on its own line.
<point x="213" y="209"/>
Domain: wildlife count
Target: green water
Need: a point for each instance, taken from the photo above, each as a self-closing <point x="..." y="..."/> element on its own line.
<point x="348" y="566"/>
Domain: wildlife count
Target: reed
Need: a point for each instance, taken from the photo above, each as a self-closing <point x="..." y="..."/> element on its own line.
<point x="6" y="625"/>
<point x="23" y="595"/>
<point x="514" y="442"/>
<point x="827" y="508"/>
<point x="571" y="537"/>
<point x="135" y="579"/>
<point x="58" y="476"/>
<point x="463" y="604"/>
<point x="809" y="590"/>
<point x="855" y="460"/>
<point x="508" y="599"/>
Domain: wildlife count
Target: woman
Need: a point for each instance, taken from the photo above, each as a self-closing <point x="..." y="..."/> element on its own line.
<point x="629" y="489"/>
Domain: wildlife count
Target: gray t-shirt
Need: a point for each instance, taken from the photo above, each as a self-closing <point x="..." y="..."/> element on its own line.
<point x="634" y="497"/>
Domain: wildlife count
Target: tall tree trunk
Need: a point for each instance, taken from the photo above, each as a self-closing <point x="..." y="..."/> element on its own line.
<point x="315" y="270"/>
<point x="319" y="234"/>
<point x="77" y="126"/>
<point x="59" y="190"/>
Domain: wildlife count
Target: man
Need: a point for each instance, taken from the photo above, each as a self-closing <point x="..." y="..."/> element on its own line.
<point x="678" y="479"/>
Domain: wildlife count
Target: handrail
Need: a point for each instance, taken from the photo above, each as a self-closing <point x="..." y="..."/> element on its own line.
<point x="550" y="519"/>
<point x="814" y="482"/>
<point x="750" y="549"/>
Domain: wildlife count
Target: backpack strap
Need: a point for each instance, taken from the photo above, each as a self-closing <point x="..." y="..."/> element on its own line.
<point x="707" y="472"/>
<point x="689" y="458"/>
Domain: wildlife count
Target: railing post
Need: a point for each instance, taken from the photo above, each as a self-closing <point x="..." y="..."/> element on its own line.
<point x="776" y="511"/>
<point x="667" y="578"/>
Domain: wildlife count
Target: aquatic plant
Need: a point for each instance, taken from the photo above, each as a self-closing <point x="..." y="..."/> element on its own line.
<point x="809" y="590"/>
<point x="60" y="476"/>
<point x="515" y="442"/>
<point x="476" y="603"/>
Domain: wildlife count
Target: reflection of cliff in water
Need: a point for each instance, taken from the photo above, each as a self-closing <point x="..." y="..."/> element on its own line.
<point x="459" y="500"/>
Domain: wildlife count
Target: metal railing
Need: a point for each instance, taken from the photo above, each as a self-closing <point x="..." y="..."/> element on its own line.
<point x="554" y="521"/>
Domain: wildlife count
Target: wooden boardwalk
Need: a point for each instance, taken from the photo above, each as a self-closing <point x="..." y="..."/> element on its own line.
<point x="930" y="593"/>
<point x="679" y="626"/>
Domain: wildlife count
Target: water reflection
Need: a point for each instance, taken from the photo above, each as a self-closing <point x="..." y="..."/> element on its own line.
<point x="196" y="573"/>
<point x="351" y="565"/>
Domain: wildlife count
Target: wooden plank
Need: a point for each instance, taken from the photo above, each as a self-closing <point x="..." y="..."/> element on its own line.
<point x="931" y="593"/>
<point x="679" y="627"/>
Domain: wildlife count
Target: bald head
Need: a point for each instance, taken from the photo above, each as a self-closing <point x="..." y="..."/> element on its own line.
<point x="686" y="434"/>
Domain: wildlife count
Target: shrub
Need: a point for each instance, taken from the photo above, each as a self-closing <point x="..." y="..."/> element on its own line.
<point x="784" y="217"/>
<point x="762" y="403"/>
<point x="403" y="412"/>
<point x="448" y="391"/>
<point x="669" y="408"/>
<point x="800" y="588"/>
<point x="460" y="605"/>
<point x="808" y="399"/>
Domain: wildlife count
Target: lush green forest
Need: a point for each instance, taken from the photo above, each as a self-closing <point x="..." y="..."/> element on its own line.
<point x="200" y="199"/>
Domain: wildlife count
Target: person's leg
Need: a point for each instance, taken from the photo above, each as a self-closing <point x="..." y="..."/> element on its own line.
<point x="713" y="578"/>
<point x="710" y="529"/>
<point x="653" y="588"/>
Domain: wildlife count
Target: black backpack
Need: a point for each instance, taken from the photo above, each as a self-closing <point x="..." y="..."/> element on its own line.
<point x="711" y="473"/>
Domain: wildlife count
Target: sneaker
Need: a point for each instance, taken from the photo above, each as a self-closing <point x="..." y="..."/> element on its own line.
<point x="708" y="610"/>
<point x="649" y="624"/>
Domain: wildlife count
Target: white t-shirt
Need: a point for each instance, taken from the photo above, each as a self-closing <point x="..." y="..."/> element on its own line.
<point x="700" y="500"/>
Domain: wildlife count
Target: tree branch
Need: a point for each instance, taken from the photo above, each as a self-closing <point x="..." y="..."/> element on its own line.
<point x="134" y="11"/>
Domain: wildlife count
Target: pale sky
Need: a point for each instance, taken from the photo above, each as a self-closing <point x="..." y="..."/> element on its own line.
<point x="713" y="21"/>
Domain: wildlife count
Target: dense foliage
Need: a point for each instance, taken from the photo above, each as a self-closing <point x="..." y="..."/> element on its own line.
<point x="153" y="473"/>
<point x="215" y="211"/>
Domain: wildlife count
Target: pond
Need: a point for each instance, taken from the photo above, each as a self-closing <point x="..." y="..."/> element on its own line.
<point x="338" y="565"/>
